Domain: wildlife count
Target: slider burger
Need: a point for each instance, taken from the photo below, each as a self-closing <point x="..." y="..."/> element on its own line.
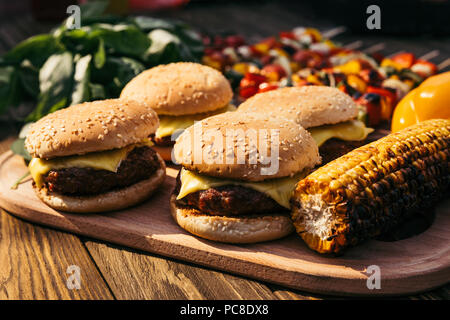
<point x="95" y="156"/>
<point x="237" y="176"/>
<point x="327" y="113"/>
<point x="180" y="93"/>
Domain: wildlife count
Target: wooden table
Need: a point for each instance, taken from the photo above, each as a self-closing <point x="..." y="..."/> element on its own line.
<point x="34" y="260"/>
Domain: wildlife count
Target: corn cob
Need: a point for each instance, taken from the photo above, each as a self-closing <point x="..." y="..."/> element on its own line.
<point x="373" y="188"/>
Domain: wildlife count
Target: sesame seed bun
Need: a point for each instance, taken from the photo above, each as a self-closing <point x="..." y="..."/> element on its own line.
<point x="109" y="201"/>
<point x="244" y="229"/>
<point x="309" y="106"/>
<point x="91" y="127"/>
<point x="180" y="88"/>
<point x="296" y="147"/>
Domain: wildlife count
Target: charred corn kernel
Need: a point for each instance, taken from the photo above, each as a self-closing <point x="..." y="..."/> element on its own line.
<point x="313" y="79"/>
<point x="373" y="188"/>
<point x="351" y="67"/>
<point x="211" y="63"/>
<point x="357" y="83"/>
<point x="242" y="68"/>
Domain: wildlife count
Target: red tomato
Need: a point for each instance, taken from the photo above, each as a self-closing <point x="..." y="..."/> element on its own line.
<point x="234" y="41"/>
<point x="287" y="34"/>
<point x="405" y="60"/>
<point x="248" y="92"/>
<point x="255" y="77"/>
<point x="274" y="71"/>
<point x="265" y="86"/>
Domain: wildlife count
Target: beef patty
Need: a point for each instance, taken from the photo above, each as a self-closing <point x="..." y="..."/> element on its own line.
<point x="229" y="200"/>
<point x="140" y="164"/>
<point x="335" y="148"/>
<point x="164" y="141"/>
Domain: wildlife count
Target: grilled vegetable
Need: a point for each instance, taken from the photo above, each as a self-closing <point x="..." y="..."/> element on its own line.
<point x="373" y="188"/>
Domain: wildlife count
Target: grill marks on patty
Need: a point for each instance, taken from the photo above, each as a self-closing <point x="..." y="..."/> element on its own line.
<point x="140" y="164"/>
<point x="230" y="200"/>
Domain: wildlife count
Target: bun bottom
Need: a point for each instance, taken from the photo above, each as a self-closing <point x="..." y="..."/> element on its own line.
<point x="248" y="229"/>
<point x="109" y="201"/>
<point x="164" y="152"/>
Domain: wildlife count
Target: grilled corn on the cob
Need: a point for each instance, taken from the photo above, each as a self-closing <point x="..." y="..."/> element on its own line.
<point x="373" y="188"/>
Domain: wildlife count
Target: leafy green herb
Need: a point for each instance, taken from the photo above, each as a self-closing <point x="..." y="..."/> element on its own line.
<point x="18" y="147"/>
<point x="65" y="67"/>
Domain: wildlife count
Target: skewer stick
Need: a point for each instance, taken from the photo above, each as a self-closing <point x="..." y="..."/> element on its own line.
<point x="430" y="55"/>
<point x="444" y="64"/>
<point x="354" y="45"/>
<point x="376" y="47"/>
<point x="333" y="32"/>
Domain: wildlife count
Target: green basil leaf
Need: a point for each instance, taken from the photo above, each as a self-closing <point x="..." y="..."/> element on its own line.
<point x="122" y="39"/>
<point x="55" y="84"/>
<point x="9" y="87"/>
<point x="80" y="91"/>
<point x="36" y="49"/>
<point x="18" y="147"/>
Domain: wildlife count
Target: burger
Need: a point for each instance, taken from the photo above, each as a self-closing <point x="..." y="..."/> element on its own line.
<point x="330" y="115"/>
<point x="180" y="93"/>
<point x="95" y="156"/>
<point x="237" y="176"/>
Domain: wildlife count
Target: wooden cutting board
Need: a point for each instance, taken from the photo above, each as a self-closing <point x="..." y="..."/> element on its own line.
<point x="408" y="266"/>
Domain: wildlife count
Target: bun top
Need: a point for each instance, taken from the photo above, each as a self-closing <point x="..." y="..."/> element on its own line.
<point x="90" y="127"/>
<point x="180" y="88"/>
<point x="251" y="148"/>
<point x="309" y="106"/>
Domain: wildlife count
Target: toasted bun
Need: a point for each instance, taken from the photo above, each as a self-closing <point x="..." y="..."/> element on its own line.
<point x="309" y="106"/>
<point x="180" y="88"/>
<point x="249" y="229"/>
<point x="109" y="201"/>
<point x="246" y="158"/>
<point x="90" y="127"/>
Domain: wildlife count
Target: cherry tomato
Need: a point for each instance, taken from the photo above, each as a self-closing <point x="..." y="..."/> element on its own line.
<point x="273" y="72"/>
<point x="234" y="41"/>
<point x="405" y="60"/>
<point x="248" y="92"/>
<point x="265" y="86"/>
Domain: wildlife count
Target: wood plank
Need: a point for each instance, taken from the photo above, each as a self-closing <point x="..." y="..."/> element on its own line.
<point x="151" y="277"/>
<point x="286" y="262"/>
<point x="34" y="262"/>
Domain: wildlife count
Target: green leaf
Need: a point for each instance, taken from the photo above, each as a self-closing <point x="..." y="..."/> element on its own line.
<point x="164" y="48"/>
<point x="122" y="39"/>
<point x="55" y="84"/>
<point x="9" y="87"/>
<point x="29" y="78"/>
<point x="100" y="55"/>
<point x="80" y="91"/>
<point x="18" y="147"/>
<point x="147" y="24"/>
<point x="93" y="9"/>
<point x="97" y="91"/>
<point x="36" y="49"/>
<point x="116" y="73"/>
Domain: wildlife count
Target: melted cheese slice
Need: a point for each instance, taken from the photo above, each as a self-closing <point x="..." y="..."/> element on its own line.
<point x="170" y="124"/>
<point x="105" y="160"/>
<point x="354" y="130"/>
<point x="279" y="189"/>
